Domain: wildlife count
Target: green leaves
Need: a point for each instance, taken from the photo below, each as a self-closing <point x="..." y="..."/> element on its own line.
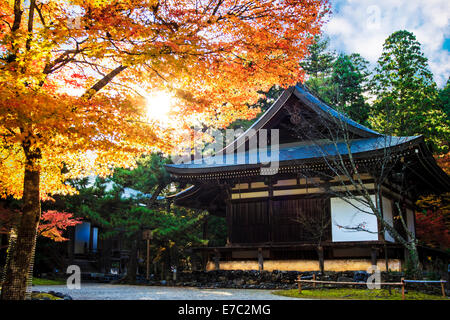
<point x="350" y="76"/>
<point x="407" y="101"/>
<point x="319" y="61"/>
<point x="338" y="80"/>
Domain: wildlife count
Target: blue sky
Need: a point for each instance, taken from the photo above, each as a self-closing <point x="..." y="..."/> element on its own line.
<point x="361" y="26"/>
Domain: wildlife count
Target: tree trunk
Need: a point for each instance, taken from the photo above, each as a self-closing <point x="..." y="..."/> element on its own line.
<point x="133" y="261"/>
<point x="413" y="262"/>
<point x="321" y="259"/>
<point x="18" y="270"/>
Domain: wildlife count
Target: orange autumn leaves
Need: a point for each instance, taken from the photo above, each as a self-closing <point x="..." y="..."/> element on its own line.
<point x="433" y="220"/>
<point x="54" y="223"/>
<point x="69" y="72"/>
<point x="52" y="226"/>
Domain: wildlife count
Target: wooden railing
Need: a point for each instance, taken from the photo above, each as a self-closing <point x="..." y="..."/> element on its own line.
<point x="402" y="283"/>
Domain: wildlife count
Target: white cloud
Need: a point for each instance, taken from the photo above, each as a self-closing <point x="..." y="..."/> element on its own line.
<point x="362" y="26"/>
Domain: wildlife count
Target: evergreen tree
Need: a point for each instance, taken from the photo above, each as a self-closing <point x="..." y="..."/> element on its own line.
<point x="444" y="95"/>
<point x="319" y="61"/>
<point x="149" y="177"/>
<point x="349" y="79"/>
<point x="407" y="100"/>
<point x="318" y="65"/>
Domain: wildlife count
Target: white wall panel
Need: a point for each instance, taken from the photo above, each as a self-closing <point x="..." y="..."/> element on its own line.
<point x="410" y="220"/>
<point x="352" y="215"/>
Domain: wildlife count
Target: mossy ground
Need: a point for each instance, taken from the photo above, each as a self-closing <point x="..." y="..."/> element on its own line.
<point x="47" y="282"/>
<point x="358" y="294"/>
<point x="44" y="296"/>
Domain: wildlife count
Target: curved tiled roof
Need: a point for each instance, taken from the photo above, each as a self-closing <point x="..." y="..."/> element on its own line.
<point x="302" y="93"/>
<point x="291" y="152"/>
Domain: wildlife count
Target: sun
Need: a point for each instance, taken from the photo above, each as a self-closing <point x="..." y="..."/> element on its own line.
<point x="159" y="105"/>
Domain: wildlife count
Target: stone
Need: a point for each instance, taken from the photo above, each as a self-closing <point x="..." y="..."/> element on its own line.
<point x="239" y="282"/>
<point x="344" y="279"/>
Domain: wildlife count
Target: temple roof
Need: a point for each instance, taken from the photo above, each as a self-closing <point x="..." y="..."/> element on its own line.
<point x="292" y="153"/>
<point x="365" y="140"/>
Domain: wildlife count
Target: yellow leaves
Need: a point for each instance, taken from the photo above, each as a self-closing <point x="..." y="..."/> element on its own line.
<point x="53" y="234"/>
<point x="64" y="138"/>
<point x="11" y="172"/>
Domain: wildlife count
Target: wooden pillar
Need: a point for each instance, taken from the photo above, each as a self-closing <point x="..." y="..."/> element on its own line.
<point x="386" y="256"/>
<point x="148" y="260"/>
<point x="205" y="258"/>
<point x="217" y="259"/>
<point x="260" y="260"/>
<point x="373" y="256"/>
<point x="270" y="210"/>
<point x="403" y="288"/>
<point x="229" y="217"/>
<point x="299" y="284"/>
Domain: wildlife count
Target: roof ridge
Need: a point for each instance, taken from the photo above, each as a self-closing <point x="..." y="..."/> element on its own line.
<point x="304" y="91"/>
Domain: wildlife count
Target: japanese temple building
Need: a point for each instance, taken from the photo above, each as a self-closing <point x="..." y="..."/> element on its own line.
<point x="262" y="208"/>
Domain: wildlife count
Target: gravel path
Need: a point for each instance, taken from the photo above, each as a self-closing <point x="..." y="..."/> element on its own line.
<point x="129" y="292"/>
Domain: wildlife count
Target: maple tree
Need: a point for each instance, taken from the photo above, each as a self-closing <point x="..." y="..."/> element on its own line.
<point x="443" y="160"/>
<point x="433" y="220"/>
<point x="69" y="71"/>
<point x="52" y="225"/>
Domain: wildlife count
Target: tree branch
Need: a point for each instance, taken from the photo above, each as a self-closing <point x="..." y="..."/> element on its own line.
<point x="103" y="82"/>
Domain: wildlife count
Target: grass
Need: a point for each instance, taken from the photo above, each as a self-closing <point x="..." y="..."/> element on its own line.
<point x="44" y="296"/>
<point x="47" y="282"/>
<point x="357" y="294"/>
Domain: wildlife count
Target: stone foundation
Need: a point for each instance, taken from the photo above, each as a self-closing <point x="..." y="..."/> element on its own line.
<point x="337" y="265"/>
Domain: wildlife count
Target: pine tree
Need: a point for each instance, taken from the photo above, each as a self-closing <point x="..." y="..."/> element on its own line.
<point x="319" y="61"/>
<point x="318" y="65"/>
<point x="350" y="76"/>
<point x="407" y="101"/>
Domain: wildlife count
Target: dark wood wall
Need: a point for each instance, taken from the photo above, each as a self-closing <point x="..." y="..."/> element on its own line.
<point x="251" y="221"/>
